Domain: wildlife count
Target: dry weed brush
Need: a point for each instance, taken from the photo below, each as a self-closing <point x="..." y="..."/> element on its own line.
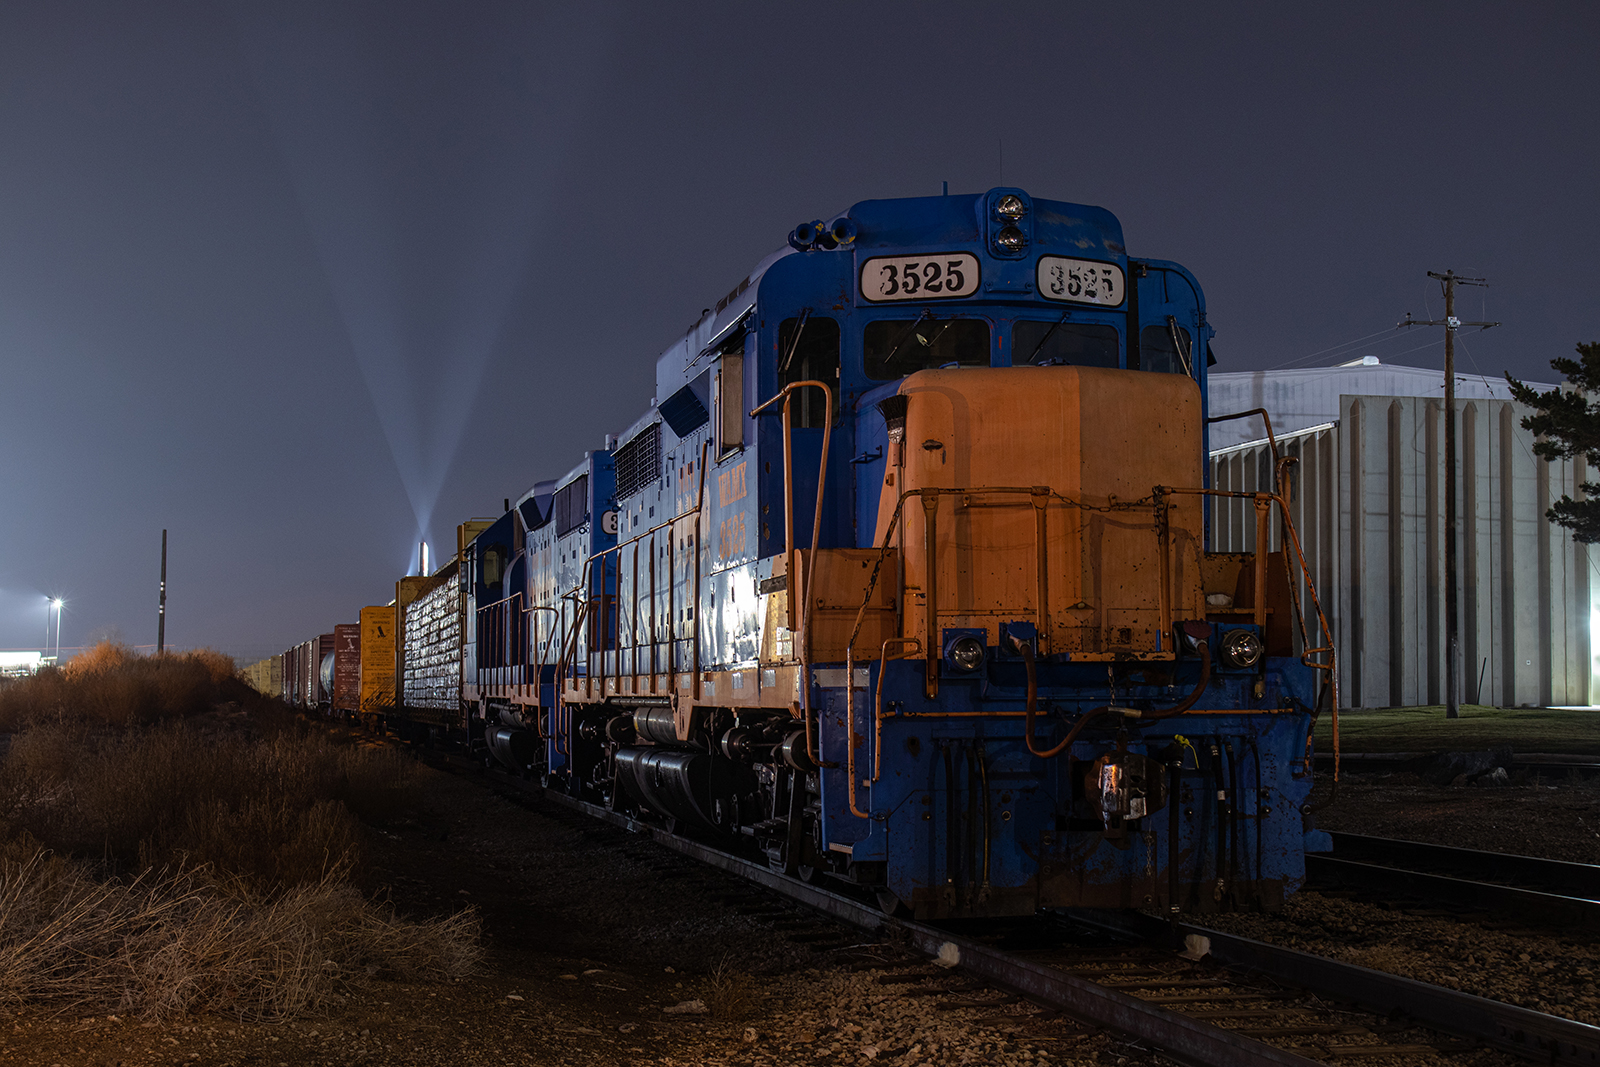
<point x="114" y="685"/>
<point x="183" y="866"/>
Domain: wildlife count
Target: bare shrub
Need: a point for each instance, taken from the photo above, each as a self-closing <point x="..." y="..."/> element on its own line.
<point x="170" y="942"/>
<point x="112" y="684"/>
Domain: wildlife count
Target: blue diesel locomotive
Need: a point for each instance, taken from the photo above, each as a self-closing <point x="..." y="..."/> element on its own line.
<point x="903" y="580"/>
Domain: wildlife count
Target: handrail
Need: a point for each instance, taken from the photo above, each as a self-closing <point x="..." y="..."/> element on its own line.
<point x="786" y="394"/>
<point x="1036" y="492"/>
<point x="1331" y="666"/>
<point x="696" y="547"/>
<point x="577" y="590"/>
<point x="538" y="664"/>
<point x="850" y="734"/>
<point x="1158" y="501"/>
<point x="850" y="718"/>
<point x="1272" y="441"/>
<point x="883" y="664"/>
<point x="581" y="609"/>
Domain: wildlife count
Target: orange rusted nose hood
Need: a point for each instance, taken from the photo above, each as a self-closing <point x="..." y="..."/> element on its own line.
<point x="1099" y="441"/>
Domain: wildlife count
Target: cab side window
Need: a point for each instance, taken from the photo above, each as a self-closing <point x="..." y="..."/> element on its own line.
<point x="1166" y="349"/>
<point x="812" y="356"/>
<point x="494" y="564"/>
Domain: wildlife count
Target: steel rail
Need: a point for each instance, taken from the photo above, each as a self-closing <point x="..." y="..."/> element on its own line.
<point x="1513" y="1029"/>
<point x="1534" y="890"/>
<point x="1530" y="905"/>
<point x="1549" y="766"/>
<point x="1508" y="1027"/>
<point x="1187" y="1039"/>
<point x="1579" y="880"/>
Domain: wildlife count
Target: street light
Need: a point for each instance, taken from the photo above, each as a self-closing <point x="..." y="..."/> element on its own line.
<point x="58" y="602"/>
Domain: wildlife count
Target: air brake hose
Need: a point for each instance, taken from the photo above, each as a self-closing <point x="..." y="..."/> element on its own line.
<point x="1026" y="649"/>
<point x="1204" y="648"/>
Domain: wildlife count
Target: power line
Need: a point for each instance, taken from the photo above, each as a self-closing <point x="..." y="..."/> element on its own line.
<point x="1346" y="347"/>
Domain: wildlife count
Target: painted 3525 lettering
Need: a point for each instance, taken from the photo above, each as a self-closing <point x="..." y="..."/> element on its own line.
<point x="934" y="277"/>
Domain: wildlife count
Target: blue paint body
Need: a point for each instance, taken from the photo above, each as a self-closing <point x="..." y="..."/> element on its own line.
<point x="644" y="646"/>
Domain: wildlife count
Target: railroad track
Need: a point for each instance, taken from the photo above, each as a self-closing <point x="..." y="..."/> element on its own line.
<point x="1226" y="1001"/>
<point x="1530" y="890"/>
<point x="1544" y="765"/>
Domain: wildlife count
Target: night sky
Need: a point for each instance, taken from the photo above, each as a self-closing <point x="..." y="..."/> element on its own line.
<point x="292" y="280"/>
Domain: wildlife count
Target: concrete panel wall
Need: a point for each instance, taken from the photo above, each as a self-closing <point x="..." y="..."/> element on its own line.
<point x="1367" y="499"/>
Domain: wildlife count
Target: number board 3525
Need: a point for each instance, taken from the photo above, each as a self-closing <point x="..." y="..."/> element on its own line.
<point x="933" y="277"/>
<point x="1081" y="281"/>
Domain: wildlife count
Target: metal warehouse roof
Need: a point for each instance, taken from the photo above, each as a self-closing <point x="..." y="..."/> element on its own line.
<point x="1300" y="399"/>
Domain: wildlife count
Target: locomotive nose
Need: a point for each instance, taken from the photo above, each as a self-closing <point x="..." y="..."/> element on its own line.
<point x="1029" y="493"/>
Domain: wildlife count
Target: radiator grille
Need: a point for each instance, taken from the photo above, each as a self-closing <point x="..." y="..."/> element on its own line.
<point x="638" y="463"/>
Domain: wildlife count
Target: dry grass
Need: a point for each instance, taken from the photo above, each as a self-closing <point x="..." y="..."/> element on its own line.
<point x="114" y="685"/>
<point x="170" y="942"/>
<point x="276" y="812"/>
<point x="195" y="865"/>
<point x="729" y="992"/>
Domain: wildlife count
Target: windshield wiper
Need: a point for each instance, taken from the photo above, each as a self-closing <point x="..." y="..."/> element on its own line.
<point x="1054" y="326"/>
<point x="911" y="332"/>
<point x="794" y="342"/>
<point x="1179" y="336"/>
<point x="905" y="335"/>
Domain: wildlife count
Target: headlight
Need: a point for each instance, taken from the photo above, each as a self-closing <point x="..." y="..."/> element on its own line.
<point x="1011" y="206"/>
<point x="1010" y="239"/>
<point x="966" y="653"/>
<point x="1241" y="648"/>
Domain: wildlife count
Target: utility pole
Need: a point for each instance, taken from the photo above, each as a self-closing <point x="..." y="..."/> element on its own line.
<point x="161" y="612"/>
<point x="1452" y="621"/>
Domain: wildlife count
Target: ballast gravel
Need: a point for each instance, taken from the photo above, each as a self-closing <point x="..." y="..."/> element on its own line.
<point x="1550" y="970"/>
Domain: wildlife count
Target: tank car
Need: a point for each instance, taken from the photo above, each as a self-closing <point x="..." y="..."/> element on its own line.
<point x="903" y="580"/>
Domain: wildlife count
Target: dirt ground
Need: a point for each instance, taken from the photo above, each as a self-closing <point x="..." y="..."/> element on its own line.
<point x="593" y="958"/>
<point x="1425" y="729"/>
<point x="1553" y="817"/>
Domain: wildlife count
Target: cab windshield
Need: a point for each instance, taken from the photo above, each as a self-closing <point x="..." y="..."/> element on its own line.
<point x="894" y="348"/>
<point x="1077" y="344"/>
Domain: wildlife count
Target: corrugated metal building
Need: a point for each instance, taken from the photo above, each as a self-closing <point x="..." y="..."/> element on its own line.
<point x="1367" y="497"/>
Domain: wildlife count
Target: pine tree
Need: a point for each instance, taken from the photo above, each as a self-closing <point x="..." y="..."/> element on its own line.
<point x="1567" y="424"/>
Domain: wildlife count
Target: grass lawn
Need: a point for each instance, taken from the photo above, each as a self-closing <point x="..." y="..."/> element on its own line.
<point x="1425" y="729"/>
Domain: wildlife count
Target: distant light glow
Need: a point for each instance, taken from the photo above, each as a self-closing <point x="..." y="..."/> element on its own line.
<point x="1594" y="651"/>
<point x="425" y="262"/>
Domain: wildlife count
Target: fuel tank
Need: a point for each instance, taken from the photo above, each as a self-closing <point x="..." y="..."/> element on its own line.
<point x="516" y="749"/>
<point x="696" y="787"/>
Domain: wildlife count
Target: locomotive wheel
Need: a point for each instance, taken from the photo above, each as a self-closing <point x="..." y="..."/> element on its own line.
<point x="814" y="873"/>
<point x="891" y="904"/>
<point x="809" y="874"/>
<point x="778" y="862"/>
